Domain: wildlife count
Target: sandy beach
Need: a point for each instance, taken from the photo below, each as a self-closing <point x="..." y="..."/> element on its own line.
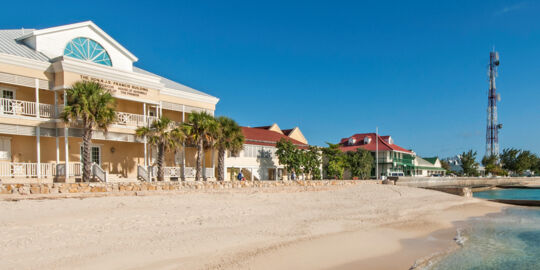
<point x="366" y="226"/>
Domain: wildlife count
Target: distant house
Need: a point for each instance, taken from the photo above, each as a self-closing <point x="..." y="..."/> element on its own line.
<point x="455" y="165"/>
<point x="394" y="160"/>
<point x="428" y="166"/>
<point x="258" y="160"/>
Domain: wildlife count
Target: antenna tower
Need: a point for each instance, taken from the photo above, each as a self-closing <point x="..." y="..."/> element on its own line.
<point x="492" y="131"/>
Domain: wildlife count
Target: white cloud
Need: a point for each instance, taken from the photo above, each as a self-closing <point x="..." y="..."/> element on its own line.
<point x="510" y="8"/>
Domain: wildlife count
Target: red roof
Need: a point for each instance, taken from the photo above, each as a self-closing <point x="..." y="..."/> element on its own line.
<point x="259" y="136"/>
<point x="384" y="145"/>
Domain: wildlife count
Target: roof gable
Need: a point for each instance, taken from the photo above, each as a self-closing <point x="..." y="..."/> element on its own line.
<point x="372" y="145"/>
<point x="52" y="42"/>
<point x="260" y="136"/>
<point x="274" y="127"/>
<point x="296" y="134"/>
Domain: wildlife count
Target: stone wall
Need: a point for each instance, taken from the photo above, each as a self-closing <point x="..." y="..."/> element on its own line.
<point x="463" y="181"/>
<point x="11" y="190"/>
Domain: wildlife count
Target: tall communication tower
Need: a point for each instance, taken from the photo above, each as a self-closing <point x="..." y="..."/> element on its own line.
<point x="492" y="131"/>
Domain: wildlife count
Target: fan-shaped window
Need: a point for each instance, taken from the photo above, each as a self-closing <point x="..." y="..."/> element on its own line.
<point x="87" y="49"/>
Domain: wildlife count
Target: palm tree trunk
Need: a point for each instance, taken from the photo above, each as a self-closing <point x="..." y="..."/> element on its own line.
<point x="200" y="148"/>
<point x="160" y="158"/>
<point x="86" y="154"/>
<point x="221" y="164"/>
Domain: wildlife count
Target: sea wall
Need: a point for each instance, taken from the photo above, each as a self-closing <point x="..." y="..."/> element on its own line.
<point x="460" y="191"/>
<point x="425" y="182"/>
<point x="8" y="191"/>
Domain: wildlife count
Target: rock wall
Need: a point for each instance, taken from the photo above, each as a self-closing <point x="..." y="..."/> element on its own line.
<point x="133" y="188"/>
<point x="462" y="181"/>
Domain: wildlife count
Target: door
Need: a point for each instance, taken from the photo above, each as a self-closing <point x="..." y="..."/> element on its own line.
<point x="6" y="105"/>
<point x="95" y="154"/>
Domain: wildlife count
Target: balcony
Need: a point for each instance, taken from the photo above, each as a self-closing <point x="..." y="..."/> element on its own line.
<point x="26" y="108"/>
<point x="133" y="120"/>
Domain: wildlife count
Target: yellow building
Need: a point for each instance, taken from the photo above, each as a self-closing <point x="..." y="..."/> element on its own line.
<point x="36" y="66"/>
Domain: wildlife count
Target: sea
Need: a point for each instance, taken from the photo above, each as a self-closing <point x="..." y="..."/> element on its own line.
<point x="506" y="240"/>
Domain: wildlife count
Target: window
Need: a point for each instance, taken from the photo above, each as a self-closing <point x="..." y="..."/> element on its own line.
<point x="257" y="151"/>
<point x="5" y="148"/>
<point x="87" y="49"/>
<point x="8" y="94"/>
<point x="95" y="154"/>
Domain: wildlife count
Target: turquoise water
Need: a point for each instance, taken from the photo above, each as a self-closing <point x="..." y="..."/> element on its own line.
<point x="508" y="240"/>
<point x="510" y="194"/>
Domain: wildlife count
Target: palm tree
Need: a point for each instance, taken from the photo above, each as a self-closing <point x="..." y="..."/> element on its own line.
<point x="163" y="134"/>
<point x="201" y="129"/>
<point x="230" y="138"/>
<point x="94" y="106"/>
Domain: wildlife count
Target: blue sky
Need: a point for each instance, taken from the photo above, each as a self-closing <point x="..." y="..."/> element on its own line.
<point x="415" y="69"/>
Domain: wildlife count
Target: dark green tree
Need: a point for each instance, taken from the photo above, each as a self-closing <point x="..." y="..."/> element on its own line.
<point x="201" y="129"/>
<point x="360" y="162"/>
<point x="445" y="165"/>
<point x="335" y="161"/>
<point x="289" y="155"/>
<point x="525" y="161"/>
<point x="509" y="159"/>
<point x="165" y="136"/>
<point x="312" y="161"/>
<point x="518" y="161"/>
<point x="230" y="138"/>
<point x="468" y="163"/>
<point x="94" y="106"/>
<point x="492" y="166"/>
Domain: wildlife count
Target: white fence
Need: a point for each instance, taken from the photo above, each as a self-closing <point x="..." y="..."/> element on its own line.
<point x="177" y="172"/>
<point x="129" y="119"/>
<point x="75" y="169"/>
<point x="19" y="169"/>
<point x="25" y="108"/>
<point x="133" y="120"/>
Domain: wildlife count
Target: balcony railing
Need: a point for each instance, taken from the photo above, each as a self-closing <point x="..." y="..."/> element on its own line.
<point x="129" y="119"/>
<point x="133" y="120"/>
<point x="74" y="169"/>
<point x="20" y="169"/>
<point x="177" y="172"/>
<point x="25" y="108"/>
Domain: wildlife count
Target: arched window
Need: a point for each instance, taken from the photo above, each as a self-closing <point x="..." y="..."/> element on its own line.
<point x="87" y="49"/>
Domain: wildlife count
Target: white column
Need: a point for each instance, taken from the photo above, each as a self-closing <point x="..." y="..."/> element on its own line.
<point x="213" y="164"/>
<point x="203" y="165"/>
<point x="277" y="175"/>
<point x="160" y="110"/>
<point x="145" y="142"/>
<point x="66" y="147"/>
<point x="251" y="172"/>
<point x="36" y="81"/>
<point x="57" y="148"/>
<point x="38" y="151"/>
<point x="183" y="144"/>
<point x="377" y="153"/>
<point x="56" y="138"/>
<point x="55" y="111"/>
<point x="145" y="153"/>
<point x="144" y="113"/>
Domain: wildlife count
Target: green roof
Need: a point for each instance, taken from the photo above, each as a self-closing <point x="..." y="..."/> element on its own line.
<point x="431" y="160"/>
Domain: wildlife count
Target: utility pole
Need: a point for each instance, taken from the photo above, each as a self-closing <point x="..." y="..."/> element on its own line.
<point x="377" y="153"/>
<point x="492" y="129"/>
